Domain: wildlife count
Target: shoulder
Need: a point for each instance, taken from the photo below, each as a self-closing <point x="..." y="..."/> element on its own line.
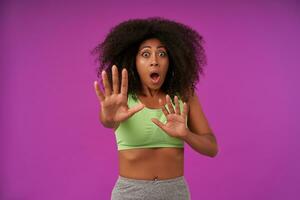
<point x="132" y="100"/>
<point x="193" y="99"/>
<point x="193" y="103"/>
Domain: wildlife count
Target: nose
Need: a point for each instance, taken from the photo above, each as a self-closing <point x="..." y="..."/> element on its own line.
<point x="154" y="61"/>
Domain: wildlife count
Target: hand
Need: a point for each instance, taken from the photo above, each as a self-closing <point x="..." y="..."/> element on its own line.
<point x="114" y="107"/>
<point x="176" y="121"/>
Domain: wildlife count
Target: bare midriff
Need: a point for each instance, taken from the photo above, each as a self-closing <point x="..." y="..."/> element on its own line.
<point x="151" y="163"/>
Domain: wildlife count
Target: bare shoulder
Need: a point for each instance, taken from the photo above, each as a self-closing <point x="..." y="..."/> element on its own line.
<point x="197" y="121"/>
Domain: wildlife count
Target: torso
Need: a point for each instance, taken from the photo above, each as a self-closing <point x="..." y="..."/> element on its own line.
<point x="151" y="163"/>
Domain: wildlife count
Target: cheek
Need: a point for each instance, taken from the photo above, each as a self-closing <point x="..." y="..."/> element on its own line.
<point x="140" y="63"/>
<point x="140" y="66"/>
<point x="165" y="67"/>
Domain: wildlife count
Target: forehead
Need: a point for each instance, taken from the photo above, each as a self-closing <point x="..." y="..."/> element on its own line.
<point x="152" y="43"/>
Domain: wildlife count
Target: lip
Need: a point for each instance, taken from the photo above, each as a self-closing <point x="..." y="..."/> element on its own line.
<point x="157" y="79"/>
<point x="154" y="71"/>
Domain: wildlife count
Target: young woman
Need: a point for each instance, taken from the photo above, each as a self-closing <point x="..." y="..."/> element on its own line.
<point x="149" y="68"/>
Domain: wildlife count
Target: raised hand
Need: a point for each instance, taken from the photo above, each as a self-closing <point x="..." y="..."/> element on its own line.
<point x="114" y="107"/>
<point x="176" y="120"/>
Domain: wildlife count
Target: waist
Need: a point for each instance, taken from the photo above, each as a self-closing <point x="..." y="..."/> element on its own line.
<point x="141" y="181"/>
<point x="150" y="164"/>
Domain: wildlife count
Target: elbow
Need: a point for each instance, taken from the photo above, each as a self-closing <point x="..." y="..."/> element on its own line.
<point x="214" y="152"/>
<point x="215" y="148"/>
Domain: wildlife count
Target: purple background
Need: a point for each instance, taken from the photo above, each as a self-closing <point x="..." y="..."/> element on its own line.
<point x="52" y="145"/>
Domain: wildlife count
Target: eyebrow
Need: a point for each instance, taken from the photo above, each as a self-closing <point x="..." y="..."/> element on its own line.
<point x="150" y="47"/>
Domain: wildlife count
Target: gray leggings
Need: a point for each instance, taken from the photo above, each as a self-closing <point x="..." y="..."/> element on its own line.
<point x="168" y="189"/>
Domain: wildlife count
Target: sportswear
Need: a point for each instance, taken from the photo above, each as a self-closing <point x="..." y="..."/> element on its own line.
<point x="139" y="131"/>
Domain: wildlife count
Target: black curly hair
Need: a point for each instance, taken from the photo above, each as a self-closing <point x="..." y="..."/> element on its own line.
<point x="184" y="48"/>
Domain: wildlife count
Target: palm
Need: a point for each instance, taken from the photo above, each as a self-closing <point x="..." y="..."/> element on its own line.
<point x="115" y="107"/>
<point x="175" y="125"/>
<point x="176" y="120"/>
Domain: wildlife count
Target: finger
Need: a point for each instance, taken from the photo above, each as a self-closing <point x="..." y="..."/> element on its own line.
<point x="177" y="108"/>
<point x="99" y="93"/>
<point x="124" y="83"/>
<point x="163" y="108"/>
<point x="135" y="109"/>
<point x="106" y="83"/>
<point x="115" y="79"/>
<point x="158" y="123"/>
<point x="170" y="105"/>
<point x="185" y="110"/>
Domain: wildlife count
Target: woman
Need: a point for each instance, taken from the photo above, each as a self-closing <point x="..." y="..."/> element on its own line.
<point x="149" y="68"/>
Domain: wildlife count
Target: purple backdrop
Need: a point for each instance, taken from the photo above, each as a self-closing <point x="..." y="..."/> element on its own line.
<point x="53" y="146"/>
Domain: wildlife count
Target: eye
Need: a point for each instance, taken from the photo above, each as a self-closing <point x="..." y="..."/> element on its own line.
<point x="162" y="54"/>
<point x="145" y="54"/>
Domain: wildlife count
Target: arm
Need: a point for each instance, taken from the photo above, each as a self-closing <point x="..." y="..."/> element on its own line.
<point x="199" y="135"/>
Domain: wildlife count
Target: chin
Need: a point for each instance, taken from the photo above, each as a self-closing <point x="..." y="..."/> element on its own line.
<point x="154" y="86"/>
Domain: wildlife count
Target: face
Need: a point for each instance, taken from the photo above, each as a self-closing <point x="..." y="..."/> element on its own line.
<point x="152" y="63"/>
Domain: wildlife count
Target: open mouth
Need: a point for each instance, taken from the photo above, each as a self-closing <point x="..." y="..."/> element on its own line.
<point x="155" y="77"/>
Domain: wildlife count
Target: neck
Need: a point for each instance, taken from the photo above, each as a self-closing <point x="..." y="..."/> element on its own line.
<point x="150" y="92"/>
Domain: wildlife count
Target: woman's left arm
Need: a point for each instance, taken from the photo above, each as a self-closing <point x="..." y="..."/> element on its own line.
<point x="199" y="134"/>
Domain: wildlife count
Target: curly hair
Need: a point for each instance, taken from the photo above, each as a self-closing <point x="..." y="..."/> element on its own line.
<point x="184" y="48"/>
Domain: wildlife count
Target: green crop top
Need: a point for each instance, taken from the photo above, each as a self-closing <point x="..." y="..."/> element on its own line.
<point x="139" y="131"/>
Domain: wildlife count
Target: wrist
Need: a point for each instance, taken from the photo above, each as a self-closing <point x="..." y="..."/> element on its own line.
<point x="186" y="135"/>
<point x="108" y="123"/>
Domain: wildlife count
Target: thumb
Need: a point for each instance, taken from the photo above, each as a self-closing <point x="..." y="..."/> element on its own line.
<point x="135" y="109"/>
<point x="158" y="123"/>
